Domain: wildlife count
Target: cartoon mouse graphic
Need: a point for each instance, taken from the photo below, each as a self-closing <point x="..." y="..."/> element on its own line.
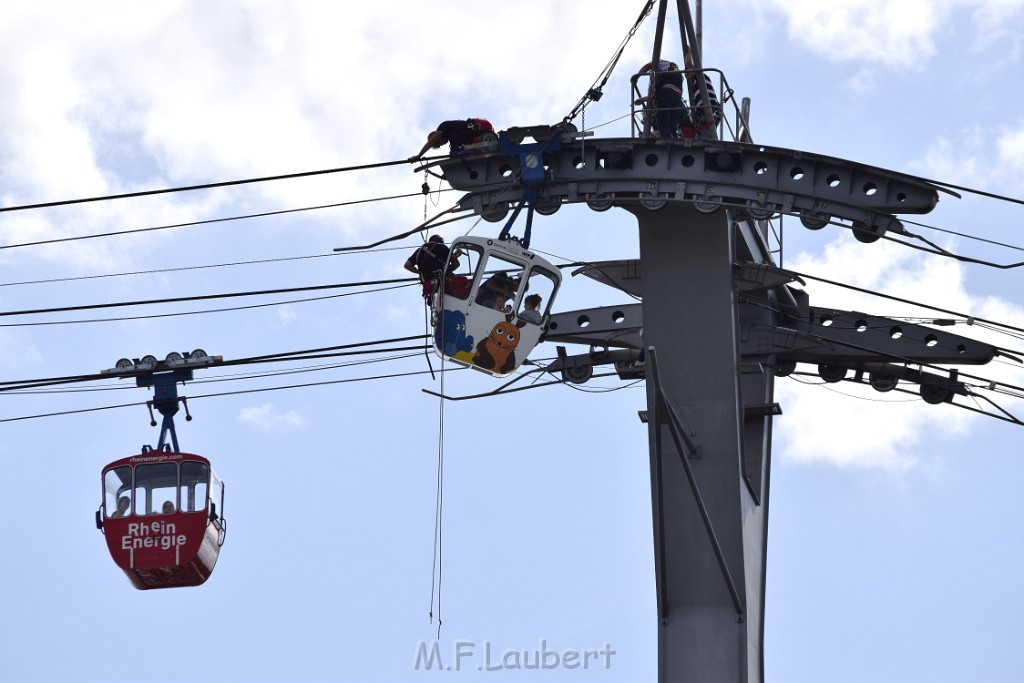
<point x="498" y="351"/>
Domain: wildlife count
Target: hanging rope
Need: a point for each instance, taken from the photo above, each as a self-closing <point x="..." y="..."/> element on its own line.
<point x="583" y="139"/>
<point x="436" y="574"/>
<point x="439" y="507"/>
<point x="426" y="349"/>
<point x="425" y="188"/>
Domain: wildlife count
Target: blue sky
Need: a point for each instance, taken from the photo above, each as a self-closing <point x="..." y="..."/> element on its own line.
<point x="894" y="545"/>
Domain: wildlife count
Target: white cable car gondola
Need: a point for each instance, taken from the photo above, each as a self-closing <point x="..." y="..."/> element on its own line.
<point x="495" y="305"/>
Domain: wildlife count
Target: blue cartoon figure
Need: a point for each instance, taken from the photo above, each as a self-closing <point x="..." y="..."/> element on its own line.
<point x="450" y="335"/>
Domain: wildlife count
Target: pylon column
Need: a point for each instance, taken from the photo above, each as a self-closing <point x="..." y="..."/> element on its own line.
<point x="709" y="534"/>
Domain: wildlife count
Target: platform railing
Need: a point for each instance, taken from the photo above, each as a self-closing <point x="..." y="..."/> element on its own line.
<point x="738" y="128"/>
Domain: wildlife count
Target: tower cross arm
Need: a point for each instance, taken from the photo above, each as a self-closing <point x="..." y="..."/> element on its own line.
<point x="837" y="337"/>
<point x="760" y="181"/>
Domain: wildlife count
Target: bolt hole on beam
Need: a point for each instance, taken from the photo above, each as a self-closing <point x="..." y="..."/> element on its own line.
<point x="896" y="332"/>
<point x="870" y="189"/>
<point x="618" y="317"/>
<point x="583" y="321"/>
<point x="796" y="173"/>
<point x="760" y="168"/>
<point x="834" y="180"/>
<point x="861" y="325"/>
<point x="931" y="340"/>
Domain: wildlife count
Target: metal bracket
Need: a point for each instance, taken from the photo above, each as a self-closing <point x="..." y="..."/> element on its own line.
<point x="682" y="438"/>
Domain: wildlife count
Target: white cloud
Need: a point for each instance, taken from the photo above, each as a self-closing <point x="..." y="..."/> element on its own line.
<point x="401" y="313"/>
<point x="18" y="356"/>
<point x="286" y="315"/>
<point x="1011" y="149"/>
<point x="1000" y="22"/>
<point x="903" y="34"/>
<point x="890" y="32"/>
<point x="846" y="428"/>
<point x="267" y="418"/>
<point x="975" y="156"/>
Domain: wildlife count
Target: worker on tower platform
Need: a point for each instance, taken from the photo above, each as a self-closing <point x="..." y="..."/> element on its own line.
<point x="457" y="134"/>
<point x="670" y="110"/>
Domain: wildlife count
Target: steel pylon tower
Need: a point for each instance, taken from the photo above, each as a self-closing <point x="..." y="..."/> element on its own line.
<point x="717" y="324"/>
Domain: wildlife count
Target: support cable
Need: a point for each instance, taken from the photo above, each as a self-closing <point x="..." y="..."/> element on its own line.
<point x="209" y="310"/>
<point x="412" y="352"/>
<point x="207" y="297"/>
<point x="1005" y="416"/>
<point x="165" y="270"/>
<point x="963" y="234"/>
<point x="982" y="193"/>
<point x="321" y="352"/>
<point x="890" y="297"/>
<point x="207" y="186"/>
<point x="939" y="251"/>
<point x="224" y="393"/>
<point x="207" y="221"/>
<point x="425" y="225"/>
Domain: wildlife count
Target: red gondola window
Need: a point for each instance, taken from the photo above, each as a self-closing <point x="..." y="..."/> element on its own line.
<point x="156" y="489"/>
<point x="194" y="489"/>
<point x="117" y="485"/>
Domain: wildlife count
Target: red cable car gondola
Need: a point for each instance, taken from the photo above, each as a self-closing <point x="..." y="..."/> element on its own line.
<point x="162" y="517"/>
<point x="163" y="510"/>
